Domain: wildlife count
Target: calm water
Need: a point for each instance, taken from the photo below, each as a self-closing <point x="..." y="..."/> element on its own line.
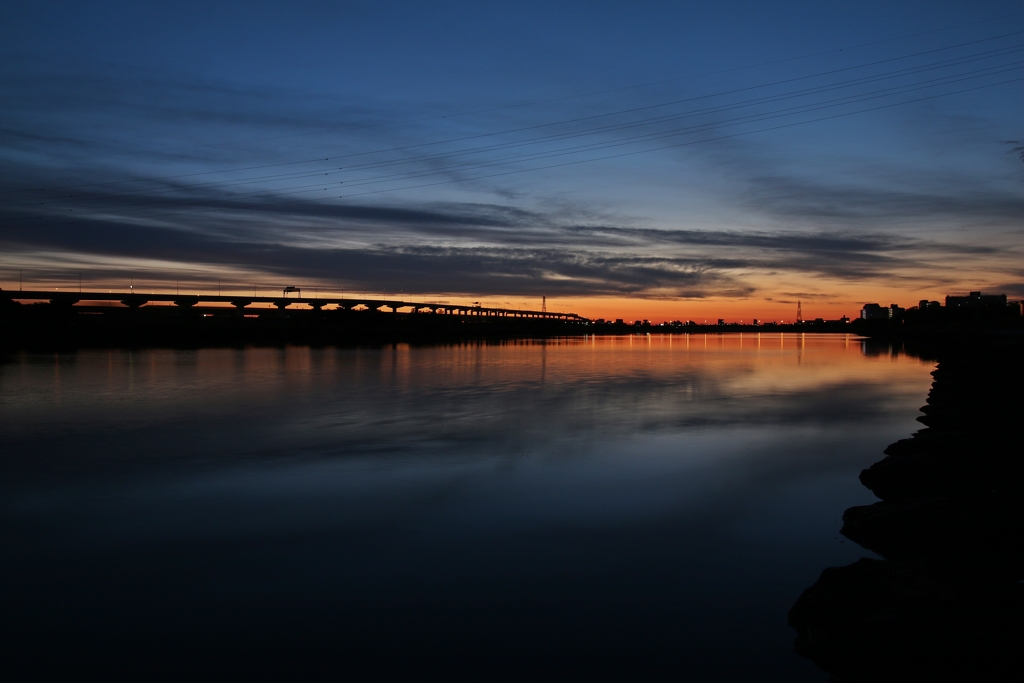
<point x="634" y="508"/>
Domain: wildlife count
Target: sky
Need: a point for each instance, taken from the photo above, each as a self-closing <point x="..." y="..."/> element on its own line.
<point x="675" y="160"/>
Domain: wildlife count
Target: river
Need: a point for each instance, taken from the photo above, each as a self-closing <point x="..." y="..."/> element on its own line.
<point x="611" y="508"/>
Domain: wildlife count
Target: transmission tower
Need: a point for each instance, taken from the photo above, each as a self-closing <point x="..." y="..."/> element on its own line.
<point x="544" y="304"/>
<point x="799" y="313"/>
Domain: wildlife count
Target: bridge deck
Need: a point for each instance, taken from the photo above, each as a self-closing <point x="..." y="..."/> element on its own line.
<point x="138" y="299"/>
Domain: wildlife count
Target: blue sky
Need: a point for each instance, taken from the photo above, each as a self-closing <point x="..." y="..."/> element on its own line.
<point x="671" y="158"/>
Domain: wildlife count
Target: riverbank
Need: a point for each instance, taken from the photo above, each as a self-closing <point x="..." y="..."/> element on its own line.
<point x="945" y="599"/>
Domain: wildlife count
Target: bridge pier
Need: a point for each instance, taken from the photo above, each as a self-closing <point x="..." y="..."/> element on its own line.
<point x="134" y="301"/>
<point x="240" y="305"/>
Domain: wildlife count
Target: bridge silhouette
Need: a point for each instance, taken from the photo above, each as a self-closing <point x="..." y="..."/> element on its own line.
<point x="136" y="300"/>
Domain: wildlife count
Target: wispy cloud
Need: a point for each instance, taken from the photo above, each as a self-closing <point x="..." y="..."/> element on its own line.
<point x="137" y="166"/>
<point x="792" y="198"/>
<point x="460" y="248"/>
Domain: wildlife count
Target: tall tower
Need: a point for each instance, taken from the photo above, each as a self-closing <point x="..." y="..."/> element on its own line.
<point x="544" y="304"/>
<point x="799" y="313"/>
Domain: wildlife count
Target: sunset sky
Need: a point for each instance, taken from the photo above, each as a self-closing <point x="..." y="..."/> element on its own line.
<point x="653" y="160"/>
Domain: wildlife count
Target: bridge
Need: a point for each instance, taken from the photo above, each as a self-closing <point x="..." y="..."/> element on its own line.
<point x="135" y="300"/>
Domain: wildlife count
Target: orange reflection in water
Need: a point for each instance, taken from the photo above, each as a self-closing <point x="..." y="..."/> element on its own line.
<point x="591" y="382"/>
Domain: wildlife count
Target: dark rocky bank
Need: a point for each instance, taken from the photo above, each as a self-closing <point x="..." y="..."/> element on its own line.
<point x="946" y="602"/>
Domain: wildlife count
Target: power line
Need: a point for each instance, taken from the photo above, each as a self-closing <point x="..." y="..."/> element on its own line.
<point x="702" y="127"/>
<point x="537" y="126"/>
<point x="576" y="96"/>
<point x="656" y="135"/>
<point x="696" y="142"/>
<point x="643" y="138"/>
<point x="589" y="131"/>
<point x="625" y="154"/>
<point x="683" y="144"/>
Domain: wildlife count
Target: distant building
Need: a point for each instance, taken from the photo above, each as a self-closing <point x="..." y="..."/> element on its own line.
<point x="756" y="322"/>
<point x="721" y="321"/>
<point x="925" y="305"/>
<point x="977" y="300"/>
<point x="877" y="312"/>
<point x="874" y="312"/>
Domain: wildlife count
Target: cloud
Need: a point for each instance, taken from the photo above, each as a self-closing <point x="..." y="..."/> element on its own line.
<point x="1012" y="289"/>
<point x="472" y="248"/>
<point x="482" y="270"/>
<point x="168" y="203"/>
<point x="1017" y="148"/>
<point x="451" y="246"/>
<point x="792" y="198"/>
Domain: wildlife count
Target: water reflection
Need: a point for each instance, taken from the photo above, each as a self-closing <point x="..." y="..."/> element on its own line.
<point x="590" y="506"/>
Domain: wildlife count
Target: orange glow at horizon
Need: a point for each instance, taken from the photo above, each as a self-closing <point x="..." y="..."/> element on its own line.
<point x="710" y="310"/>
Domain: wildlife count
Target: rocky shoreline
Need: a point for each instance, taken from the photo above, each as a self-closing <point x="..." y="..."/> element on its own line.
<point x="946" y="602"/>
